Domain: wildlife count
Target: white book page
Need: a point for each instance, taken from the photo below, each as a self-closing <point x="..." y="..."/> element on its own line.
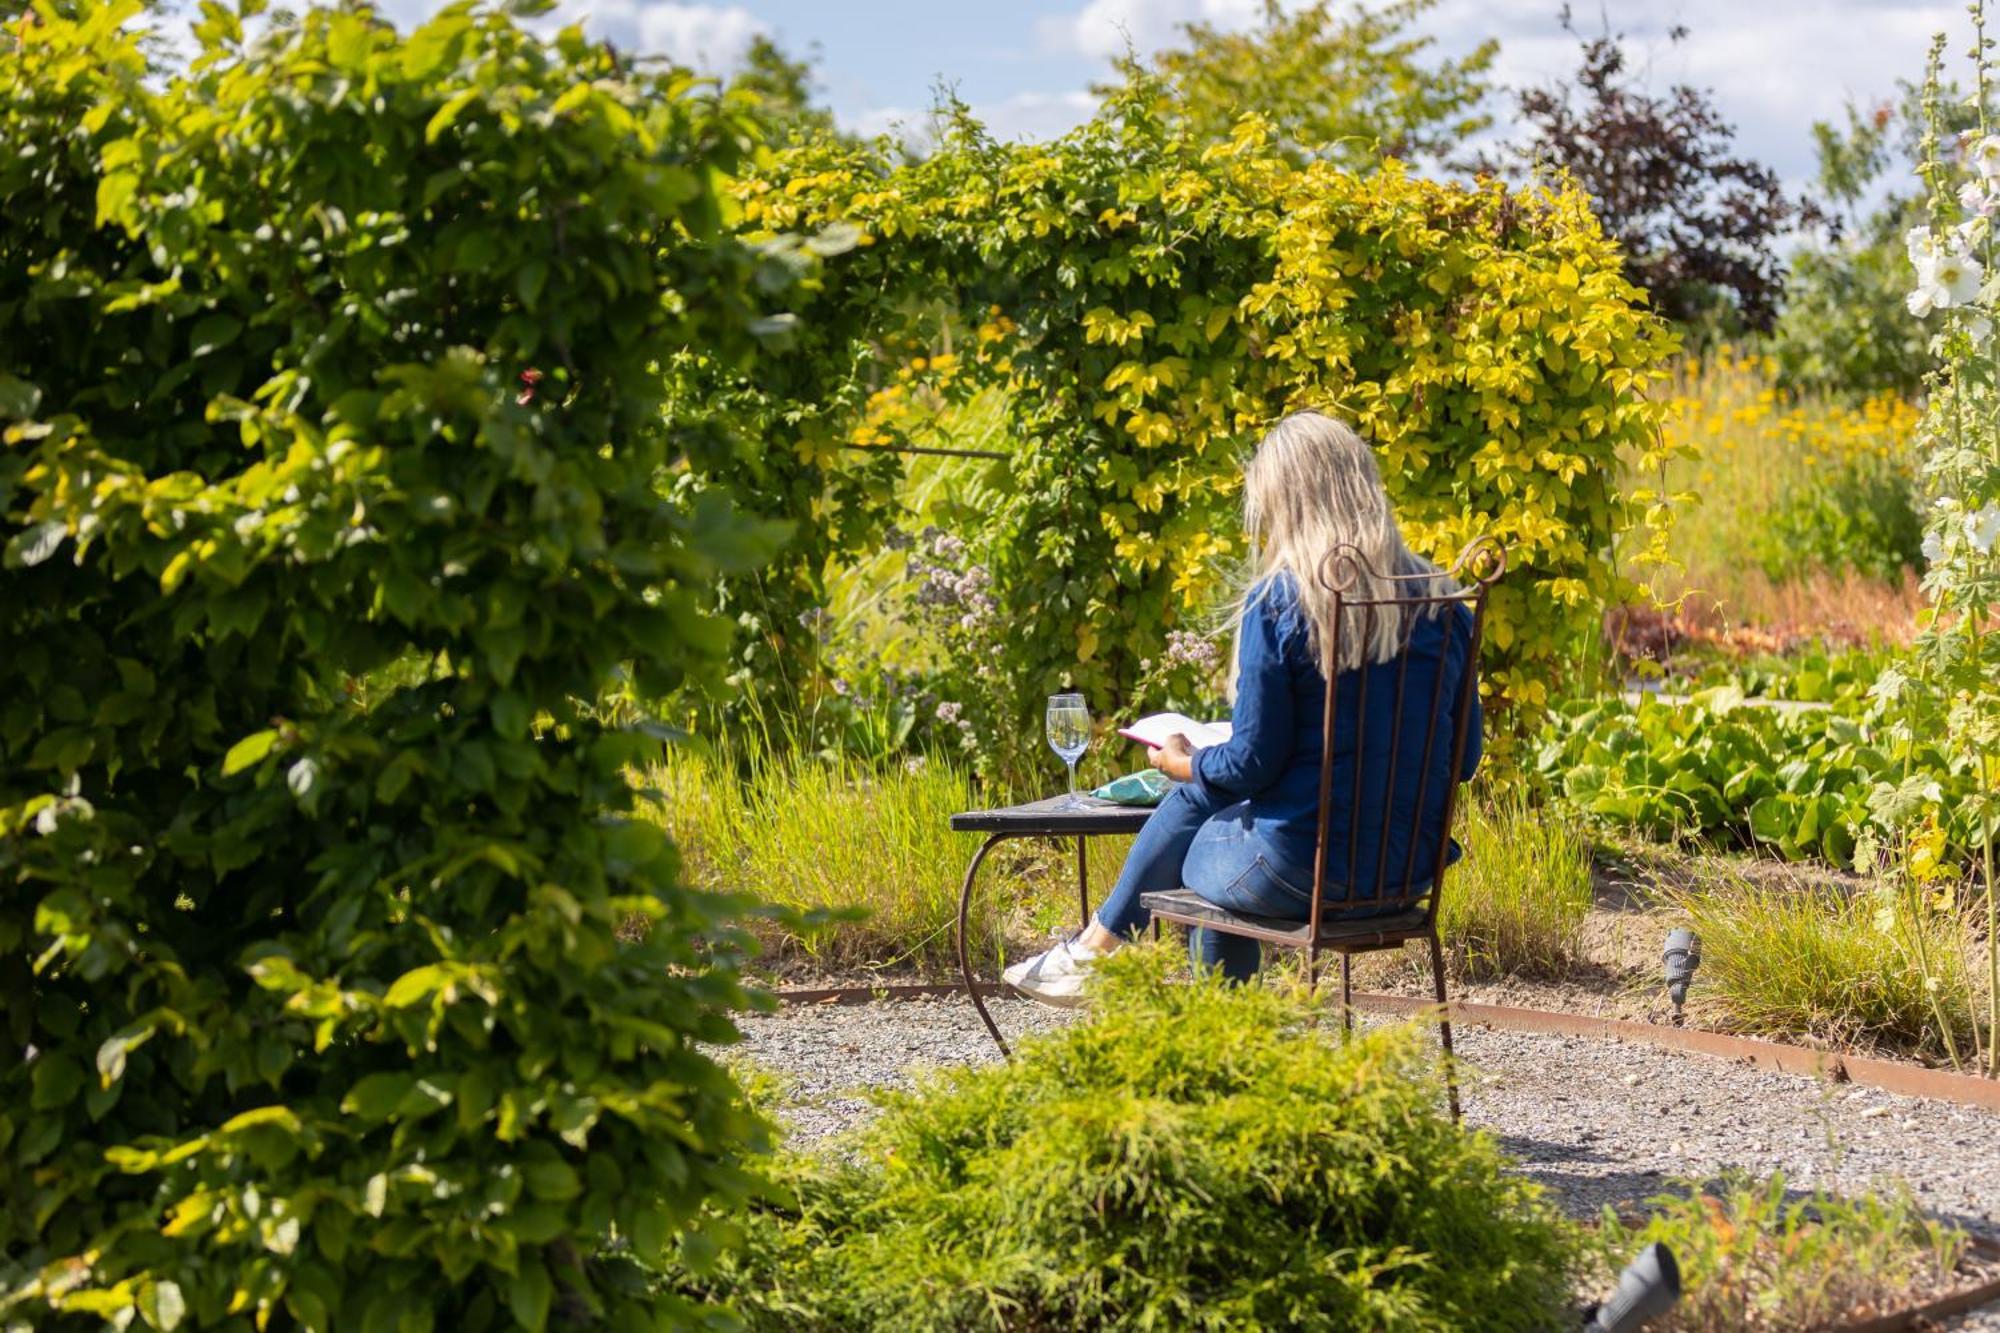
<point x="1154" y="729"/>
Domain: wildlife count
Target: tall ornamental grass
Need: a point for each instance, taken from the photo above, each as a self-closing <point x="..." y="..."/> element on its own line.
<point x="1515" y="905"/>
<point x="1192" y="1157"/>
<point x="872" y="843"/>
<point x="1788" y="960"/>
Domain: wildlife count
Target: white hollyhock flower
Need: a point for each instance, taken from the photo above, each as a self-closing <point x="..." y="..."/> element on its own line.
<point x="1924" y="299"/>
<point x="1917" y="243"/>
<point x="1933" y="548"/>
<point x="1978" y="326"/>
<point x="1986" y="156"/>
<point x="1983" y="528"/>
<point x="1956" y="274"/>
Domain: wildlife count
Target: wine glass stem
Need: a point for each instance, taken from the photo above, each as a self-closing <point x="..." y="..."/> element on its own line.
<point x="1072" y="777"/>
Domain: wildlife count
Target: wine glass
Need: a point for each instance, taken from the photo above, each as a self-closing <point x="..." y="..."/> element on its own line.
<point x="1069" y="734"/>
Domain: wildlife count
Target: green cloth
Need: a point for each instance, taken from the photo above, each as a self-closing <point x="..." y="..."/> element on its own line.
<point x="1149" y="786"/>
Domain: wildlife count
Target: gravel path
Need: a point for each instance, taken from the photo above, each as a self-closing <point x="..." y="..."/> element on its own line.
<point x="1599" y="1121"/>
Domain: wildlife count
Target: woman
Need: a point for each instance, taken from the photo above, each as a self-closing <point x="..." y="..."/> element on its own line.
<point x="1239" y="828"/>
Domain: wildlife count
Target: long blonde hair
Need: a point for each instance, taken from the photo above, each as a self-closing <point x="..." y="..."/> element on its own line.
<point x="1312" y="486"/>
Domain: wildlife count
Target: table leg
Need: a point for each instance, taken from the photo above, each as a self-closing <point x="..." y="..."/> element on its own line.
<point x="965" y="958"/>
<point x="1083" y="881"/>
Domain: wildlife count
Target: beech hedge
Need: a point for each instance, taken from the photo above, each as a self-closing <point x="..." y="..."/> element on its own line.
<point x="332" y="433"/>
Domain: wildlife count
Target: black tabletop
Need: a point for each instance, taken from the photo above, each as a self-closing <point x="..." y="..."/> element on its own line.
<point x="1056" y="817"/>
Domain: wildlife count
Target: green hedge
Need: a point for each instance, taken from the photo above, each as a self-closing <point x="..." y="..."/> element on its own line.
<point x="332" y="421"/>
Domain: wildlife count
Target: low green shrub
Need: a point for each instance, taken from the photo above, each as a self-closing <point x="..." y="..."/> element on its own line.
<point x="1515" y="905"/>
<point x="1791" y="959"/>
<point x="1193" y="1156"/>
<point x="1759" y="1255"/>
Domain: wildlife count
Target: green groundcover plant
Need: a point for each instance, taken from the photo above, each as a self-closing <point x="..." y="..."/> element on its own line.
<point x="1761" y="1254"/>
<point x="1802" y="782"/>
<point x="332" y="424"/>
<point x="1195" y="1156"/>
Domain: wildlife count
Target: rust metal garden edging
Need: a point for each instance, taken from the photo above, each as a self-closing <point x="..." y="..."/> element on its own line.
<point x="1886" y="1075"/>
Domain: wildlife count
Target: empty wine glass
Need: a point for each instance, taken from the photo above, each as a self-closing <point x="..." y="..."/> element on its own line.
<point x="1069" y="734"/>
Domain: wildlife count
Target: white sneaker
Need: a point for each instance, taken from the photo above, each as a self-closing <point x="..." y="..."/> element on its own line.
<point x="1055" y="977"/>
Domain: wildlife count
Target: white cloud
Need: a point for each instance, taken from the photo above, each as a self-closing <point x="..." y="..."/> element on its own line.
<point x="1022" y="116"/>
<point x="1104" y="28"/>
<point x="1774" y="67"/>
<point x="1036" y="115"/>
<point x="712" y="38"/>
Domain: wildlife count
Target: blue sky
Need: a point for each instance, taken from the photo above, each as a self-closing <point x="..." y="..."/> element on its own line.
<point x="1775" y="66"/>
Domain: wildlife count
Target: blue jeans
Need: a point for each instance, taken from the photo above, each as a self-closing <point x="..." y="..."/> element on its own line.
<point x="1196" y="842"/>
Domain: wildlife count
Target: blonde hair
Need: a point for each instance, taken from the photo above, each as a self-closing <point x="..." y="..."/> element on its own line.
<point x="1312" y="486"/>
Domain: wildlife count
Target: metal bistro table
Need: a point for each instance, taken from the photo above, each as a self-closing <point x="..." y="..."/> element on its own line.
<point x="1079" y="817"/>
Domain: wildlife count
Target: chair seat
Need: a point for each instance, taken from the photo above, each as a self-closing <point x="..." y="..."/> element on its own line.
<point x="1337" y="933"/>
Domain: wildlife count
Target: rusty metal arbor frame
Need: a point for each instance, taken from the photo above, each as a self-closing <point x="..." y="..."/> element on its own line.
<point x="1407" y="909"/>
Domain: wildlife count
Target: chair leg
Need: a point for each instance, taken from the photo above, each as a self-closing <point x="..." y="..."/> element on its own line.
<point x="1444" y="1024"/>
<point x="1347" y="991"/>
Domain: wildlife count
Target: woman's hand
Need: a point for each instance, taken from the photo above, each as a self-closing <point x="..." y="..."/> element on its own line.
<point x="1175" y="758"/>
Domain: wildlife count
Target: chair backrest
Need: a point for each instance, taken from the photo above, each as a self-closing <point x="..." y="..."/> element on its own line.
<point x="1421" y="874"/>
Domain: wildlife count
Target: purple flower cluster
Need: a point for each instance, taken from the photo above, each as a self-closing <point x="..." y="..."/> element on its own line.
<point x="946" y="585"/>
<point x="1185" y="649"/>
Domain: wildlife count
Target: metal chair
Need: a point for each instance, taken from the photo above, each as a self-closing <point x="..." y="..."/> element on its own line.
<point x="1403" y="907"/>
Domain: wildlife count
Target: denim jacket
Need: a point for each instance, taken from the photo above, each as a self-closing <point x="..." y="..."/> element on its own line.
<point x="1272" y="759"/>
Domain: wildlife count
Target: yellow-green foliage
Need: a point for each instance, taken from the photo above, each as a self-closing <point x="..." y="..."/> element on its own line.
<point x="1194" y="1157"/>
<point x="1150" y="304"/>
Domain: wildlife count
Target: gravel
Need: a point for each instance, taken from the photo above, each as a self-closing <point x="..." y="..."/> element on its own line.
<point x="1597" y="1120"/>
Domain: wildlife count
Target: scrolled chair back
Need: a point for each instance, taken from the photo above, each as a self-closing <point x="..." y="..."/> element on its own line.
<point x="1388" y="610"/>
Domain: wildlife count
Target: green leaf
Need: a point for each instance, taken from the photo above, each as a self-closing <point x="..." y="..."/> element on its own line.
<point x="449" y="112"/>
<point x="56" y="1080"/>
<point x="278" y="1117"/>
<point x="18" y="398"/>
<point x="111" y="1055"/>
<point x="551" y="1178"/>
<point x="35" y="543"/>
<point x="414" y="985"/>
<point x="214" y="333"/>
<point x="250" y="750"/>
<point x="528" y="282"/>
<point x="377" y="1096"/>
<point x="161" y="1305"/>
<point x="528" y="1295"/>
<point x="511" y="715"/>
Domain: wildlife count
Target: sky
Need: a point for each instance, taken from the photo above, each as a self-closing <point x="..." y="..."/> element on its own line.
<point x="1774" y="66"/>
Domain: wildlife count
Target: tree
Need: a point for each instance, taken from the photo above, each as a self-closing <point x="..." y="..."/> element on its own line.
<point x="1698" y="224"/>
<point x="1844" y="329"/>
<point x="1351" y="87"/>
<point x="783" y="88"/>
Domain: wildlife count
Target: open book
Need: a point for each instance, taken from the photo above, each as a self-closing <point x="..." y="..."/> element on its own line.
<point x="1154" y="729"/>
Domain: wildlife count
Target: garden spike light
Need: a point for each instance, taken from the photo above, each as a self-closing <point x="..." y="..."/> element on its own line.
<point x="1682" y="956"/>
<point x="1646" y="1290"/>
